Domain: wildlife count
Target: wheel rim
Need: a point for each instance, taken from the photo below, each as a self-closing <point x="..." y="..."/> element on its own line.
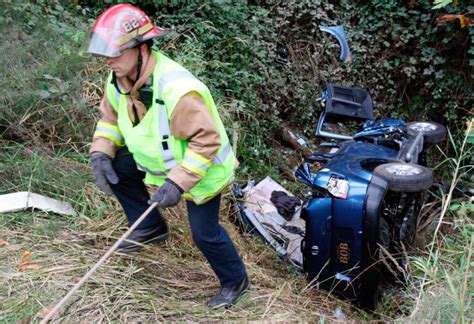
<point x="423" y="127"/>
<point x="403" y="170"/>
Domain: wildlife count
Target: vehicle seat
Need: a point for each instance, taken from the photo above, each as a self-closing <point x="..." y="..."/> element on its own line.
<point x="349" y="102"/>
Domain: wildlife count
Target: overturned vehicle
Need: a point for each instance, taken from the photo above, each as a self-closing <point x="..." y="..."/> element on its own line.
<point x="365" y="198"/>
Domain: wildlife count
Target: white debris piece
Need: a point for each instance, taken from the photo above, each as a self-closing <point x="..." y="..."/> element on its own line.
<point x="258" y="201"/>
<point x="22" y="200"/>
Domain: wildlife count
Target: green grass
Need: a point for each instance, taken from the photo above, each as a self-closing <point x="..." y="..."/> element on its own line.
<point x="170" y="281"/>
<point x="25" y="169"/>
<point x="448" y="277"/>
<point x="37" y="224"/>
<point x="166" y="282"/>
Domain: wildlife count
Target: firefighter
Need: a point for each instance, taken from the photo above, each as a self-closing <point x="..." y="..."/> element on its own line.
<point x="160" y="126"/>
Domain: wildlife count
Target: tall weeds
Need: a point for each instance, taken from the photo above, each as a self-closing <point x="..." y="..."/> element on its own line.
<point x="444" y="276"/>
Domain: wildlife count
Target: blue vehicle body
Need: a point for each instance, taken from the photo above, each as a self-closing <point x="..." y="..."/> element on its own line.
<point x="344" y="234"/>
<point x="376" y="207"/>
<point x="364" y="199"/>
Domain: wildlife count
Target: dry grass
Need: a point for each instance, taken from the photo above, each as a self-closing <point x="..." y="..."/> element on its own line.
<point x="166" y="282"/>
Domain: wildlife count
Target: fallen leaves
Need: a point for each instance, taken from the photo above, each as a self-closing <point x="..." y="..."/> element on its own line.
<point x="4" y="243"/>
<point x="45" y="311"/>
<point x="26" y="262"/>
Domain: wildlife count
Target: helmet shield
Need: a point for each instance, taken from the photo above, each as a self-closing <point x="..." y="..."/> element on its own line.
<point x="108" y="42"/>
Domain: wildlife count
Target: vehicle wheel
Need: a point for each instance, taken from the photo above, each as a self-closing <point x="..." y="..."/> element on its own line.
<point x="405" y="177"/>
<point x="433" y="133"/>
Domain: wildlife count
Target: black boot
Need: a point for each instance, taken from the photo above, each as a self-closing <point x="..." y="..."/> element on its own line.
<point x="153" y="234"/>
<point x="230" y="295"/>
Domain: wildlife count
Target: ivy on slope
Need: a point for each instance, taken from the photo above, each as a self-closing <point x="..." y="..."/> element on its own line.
<point x="414" y="68"/>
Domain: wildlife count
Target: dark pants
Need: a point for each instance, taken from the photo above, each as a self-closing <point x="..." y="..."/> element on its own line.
<point x="209" y="236"/>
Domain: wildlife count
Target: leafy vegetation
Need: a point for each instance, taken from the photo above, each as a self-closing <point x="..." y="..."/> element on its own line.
<point x="415" y="69"/>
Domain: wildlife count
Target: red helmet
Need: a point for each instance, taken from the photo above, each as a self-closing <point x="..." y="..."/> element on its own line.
<point x="119" y="28"/>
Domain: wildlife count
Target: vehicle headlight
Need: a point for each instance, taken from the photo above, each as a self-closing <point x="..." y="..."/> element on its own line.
<point x="338" y="187"/>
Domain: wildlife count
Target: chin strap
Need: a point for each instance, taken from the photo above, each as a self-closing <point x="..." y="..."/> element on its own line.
<point x="139" y="64"/>
<point x="114" y="81"/>
<point x="139" y="67"/>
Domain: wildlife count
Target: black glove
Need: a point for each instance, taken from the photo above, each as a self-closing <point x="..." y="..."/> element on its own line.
<point x="103" y="171"/>
<point x="285" y="204"/>
<point x="168" y="195"/>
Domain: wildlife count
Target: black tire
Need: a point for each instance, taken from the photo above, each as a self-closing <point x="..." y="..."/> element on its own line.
<point x="405" y="177"/>
<point x="433" y="133"/>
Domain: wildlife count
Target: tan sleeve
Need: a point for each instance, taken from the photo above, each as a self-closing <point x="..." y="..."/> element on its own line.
<point x="191" y="120"/>
<point x="108" y="116"/>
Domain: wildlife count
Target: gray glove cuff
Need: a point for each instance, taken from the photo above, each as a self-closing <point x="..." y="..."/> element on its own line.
<point x="96" y="156"/>
<point x="181" y="191"/>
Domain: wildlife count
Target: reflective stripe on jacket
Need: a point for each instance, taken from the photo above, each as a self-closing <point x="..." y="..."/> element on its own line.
<point x="155" y="149"/>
